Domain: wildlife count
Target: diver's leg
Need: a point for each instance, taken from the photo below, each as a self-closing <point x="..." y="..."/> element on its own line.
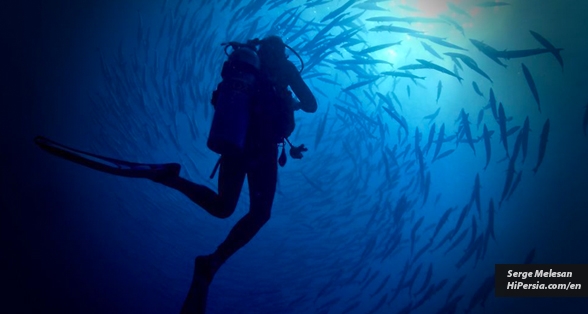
<point x="230" y="181"/>
<point x="195" y="301"/>
<point x="262" y="178"/>
<point x="231" y="177"/>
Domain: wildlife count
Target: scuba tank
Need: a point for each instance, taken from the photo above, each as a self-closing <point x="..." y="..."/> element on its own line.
<point x="232" y="99"/>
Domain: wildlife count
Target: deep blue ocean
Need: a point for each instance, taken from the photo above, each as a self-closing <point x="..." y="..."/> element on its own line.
<point x="132" y="80"/>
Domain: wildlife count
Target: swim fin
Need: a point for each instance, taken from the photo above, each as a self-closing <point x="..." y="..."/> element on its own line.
<point x="155" y="172"/>
<point x="195" y="302"/>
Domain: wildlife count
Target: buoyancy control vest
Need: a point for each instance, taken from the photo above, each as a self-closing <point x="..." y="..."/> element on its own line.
<point x="273" y="111"/>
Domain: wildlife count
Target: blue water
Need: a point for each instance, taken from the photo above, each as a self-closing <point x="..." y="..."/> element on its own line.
<point x="80" y="241"/>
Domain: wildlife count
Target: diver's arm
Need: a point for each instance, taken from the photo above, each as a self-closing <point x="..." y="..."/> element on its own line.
<point x="301" y="90"/>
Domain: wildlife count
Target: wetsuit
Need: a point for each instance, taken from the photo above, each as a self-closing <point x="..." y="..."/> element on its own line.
<point x="258" y="162"/>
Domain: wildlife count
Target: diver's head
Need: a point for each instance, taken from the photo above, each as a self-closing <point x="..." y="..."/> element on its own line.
<point x="272" y="50"/>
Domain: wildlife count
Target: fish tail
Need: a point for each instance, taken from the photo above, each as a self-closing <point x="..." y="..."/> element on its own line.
<point x="557" y="56"/>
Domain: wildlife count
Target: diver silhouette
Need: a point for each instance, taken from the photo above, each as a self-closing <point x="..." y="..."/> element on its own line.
<point x="248" y="149"/>
<point x="271" y="120"/>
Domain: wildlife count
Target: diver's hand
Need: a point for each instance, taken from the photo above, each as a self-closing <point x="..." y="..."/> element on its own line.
<point x="296" y="151"/>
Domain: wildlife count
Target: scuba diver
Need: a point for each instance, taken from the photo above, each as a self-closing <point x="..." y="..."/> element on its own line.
<point x="254" y="115"/>
<point x="255" y="153"/>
